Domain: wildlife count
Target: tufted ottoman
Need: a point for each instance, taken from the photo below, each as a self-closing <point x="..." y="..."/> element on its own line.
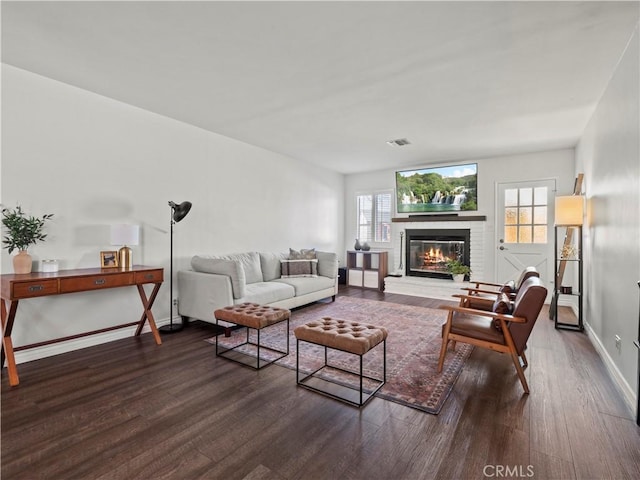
<point x="256" y="317"/>
<point x="351" y="337"/>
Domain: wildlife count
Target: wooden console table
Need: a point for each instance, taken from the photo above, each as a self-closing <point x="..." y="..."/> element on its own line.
<point x="18" y="287"/>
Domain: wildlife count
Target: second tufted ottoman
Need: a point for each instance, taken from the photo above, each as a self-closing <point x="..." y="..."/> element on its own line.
<point x="351" y="337"/>
<point x="257" y="317"/>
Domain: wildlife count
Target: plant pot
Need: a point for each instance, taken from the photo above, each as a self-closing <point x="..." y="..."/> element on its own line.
<point x="22" y="262"/>
<point x="458" y="278"/>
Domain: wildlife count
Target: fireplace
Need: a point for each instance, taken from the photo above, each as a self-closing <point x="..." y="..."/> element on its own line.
<point x="429" y="250"/>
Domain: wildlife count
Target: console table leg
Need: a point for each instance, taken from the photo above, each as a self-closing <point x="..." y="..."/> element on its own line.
<point x="147" y="315"/>
<point x="7" y="344"/>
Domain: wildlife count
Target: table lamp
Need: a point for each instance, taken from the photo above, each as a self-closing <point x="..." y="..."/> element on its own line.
<point x="125" y="235"/>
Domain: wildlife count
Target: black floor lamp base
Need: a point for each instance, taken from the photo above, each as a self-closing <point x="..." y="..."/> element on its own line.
<point x="171" y="328"/>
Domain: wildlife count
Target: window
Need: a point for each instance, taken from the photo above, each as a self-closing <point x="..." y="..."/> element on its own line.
<point x="525" y="215"/>
<point x="374" y="217"/>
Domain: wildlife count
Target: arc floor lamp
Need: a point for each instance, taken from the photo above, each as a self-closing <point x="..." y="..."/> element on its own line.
<point x="178" y="212"/>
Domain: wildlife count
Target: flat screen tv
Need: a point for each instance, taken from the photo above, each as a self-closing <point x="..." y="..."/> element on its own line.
<point x="437" y="189"/>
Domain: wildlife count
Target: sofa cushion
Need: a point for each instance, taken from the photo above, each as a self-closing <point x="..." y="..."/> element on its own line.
<point x="270" y="264"/>
<point x="327" y="264"/>
<point x="299" y="268"/>
<point x="266" y="292"/>
<point x="304" y="285"/>
<point x="303" y="254"/>
<point x="231" y="268"/>
<point x="250" y="262"/>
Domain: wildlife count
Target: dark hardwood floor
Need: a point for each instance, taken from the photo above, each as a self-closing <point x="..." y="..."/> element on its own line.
<point x="132" y="410"/>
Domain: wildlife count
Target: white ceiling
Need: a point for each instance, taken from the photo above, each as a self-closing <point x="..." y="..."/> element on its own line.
<point x="331" y="82"/>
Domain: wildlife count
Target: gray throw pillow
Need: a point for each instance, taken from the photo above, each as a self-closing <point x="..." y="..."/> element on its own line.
<point x="303" y="254"/>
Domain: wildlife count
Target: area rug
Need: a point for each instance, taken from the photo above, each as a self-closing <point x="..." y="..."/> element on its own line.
<point x="413" y="348"/>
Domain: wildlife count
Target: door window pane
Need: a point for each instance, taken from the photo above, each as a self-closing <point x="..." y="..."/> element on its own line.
<point x="511" y="197"/>
<point x="511" y="234"/>
<point x="526" y="196"/>
<point x="540" y="215"/>
<point x="540" y="195"/>
<point x="540" y="234"/>
<point x="510" y="216"/>
<point x="525" y="215"/>
<point x="524" y="234"/>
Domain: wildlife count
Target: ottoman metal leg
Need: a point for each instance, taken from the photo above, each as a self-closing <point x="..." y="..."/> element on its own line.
<point x="233" y="354"/>
<point x="363" y="398"/>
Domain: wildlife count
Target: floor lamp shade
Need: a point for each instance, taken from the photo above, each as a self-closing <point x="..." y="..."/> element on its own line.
<point x="178" y="212"/>
<point x="125" y="235"/>
<point x="569" y="210"/>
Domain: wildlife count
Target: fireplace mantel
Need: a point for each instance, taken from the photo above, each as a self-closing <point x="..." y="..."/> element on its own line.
<point x="441" y="218"/>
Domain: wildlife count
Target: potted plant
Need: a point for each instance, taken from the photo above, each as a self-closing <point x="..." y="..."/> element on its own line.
<point x="20" y="231"/>
<point x="458" y="270"/>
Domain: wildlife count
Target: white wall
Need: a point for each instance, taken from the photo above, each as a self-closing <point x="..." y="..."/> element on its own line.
<point x="609" y="155"/>
<point x="555" y="164"/>
<point x="93" y="162"/>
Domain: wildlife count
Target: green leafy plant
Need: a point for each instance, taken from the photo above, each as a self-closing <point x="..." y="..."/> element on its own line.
<point x="456" y="267"/>
<point x="22" y="230"/>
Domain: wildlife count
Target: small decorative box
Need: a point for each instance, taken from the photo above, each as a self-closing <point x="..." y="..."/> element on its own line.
<point x="49" y="265"/>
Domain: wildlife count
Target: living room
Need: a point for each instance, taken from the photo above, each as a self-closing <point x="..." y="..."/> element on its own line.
<point x="81" y="151"/>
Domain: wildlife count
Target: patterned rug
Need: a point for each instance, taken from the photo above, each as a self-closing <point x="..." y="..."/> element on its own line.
<point x="413" y="348"/>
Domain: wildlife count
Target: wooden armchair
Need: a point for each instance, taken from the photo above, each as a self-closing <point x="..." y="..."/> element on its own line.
<point x="483" y="294"/>
<point x="500" y="332"/>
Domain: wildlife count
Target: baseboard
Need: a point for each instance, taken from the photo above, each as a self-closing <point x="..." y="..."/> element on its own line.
<point x="36" y="353"/>
<point x="628" y="395"/>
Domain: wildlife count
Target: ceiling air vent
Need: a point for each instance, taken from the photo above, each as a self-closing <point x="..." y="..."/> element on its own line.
<point x="399" y="142"/>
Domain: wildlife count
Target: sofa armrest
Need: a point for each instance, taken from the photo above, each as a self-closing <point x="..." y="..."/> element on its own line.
<point x="327" y="264"/>
<point x="200" y="294"/>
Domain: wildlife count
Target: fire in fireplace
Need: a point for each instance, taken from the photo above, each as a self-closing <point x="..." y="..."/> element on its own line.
<point x="429" y="250"/>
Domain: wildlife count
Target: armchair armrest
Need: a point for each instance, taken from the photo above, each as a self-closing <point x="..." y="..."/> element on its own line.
<point x="478" y="302"/>
<point x="471" y="297"/>
<point x="486" y="283"/>
<point x="483" y="313"/>
<point x="478" y="290"/>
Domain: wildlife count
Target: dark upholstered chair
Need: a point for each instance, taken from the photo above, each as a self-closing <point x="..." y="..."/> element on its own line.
<point x="500" y="330"/>
<point x="483" y="294"/>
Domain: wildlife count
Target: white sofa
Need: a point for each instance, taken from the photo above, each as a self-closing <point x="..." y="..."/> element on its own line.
<point x="219" y="281"/>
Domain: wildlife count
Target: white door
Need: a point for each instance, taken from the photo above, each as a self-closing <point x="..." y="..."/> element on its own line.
<point x="524" y="222"/>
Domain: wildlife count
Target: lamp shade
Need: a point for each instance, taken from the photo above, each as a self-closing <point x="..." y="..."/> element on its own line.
<point x="180" y="211"/>
<point x="569" y="210"/>
<point x="125" y="234"/>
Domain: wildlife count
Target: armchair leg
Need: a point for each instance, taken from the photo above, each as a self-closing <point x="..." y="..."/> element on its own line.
<point x="525" y="363"/>
<point x="445" y="341"/>
<point x="523" y="380"/>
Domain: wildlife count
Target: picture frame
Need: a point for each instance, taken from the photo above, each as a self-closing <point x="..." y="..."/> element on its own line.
<point x="109" y="259"/>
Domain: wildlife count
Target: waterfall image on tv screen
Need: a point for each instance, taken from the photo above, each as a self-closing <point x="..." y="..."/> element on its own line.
<point x="437" y="189"/>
